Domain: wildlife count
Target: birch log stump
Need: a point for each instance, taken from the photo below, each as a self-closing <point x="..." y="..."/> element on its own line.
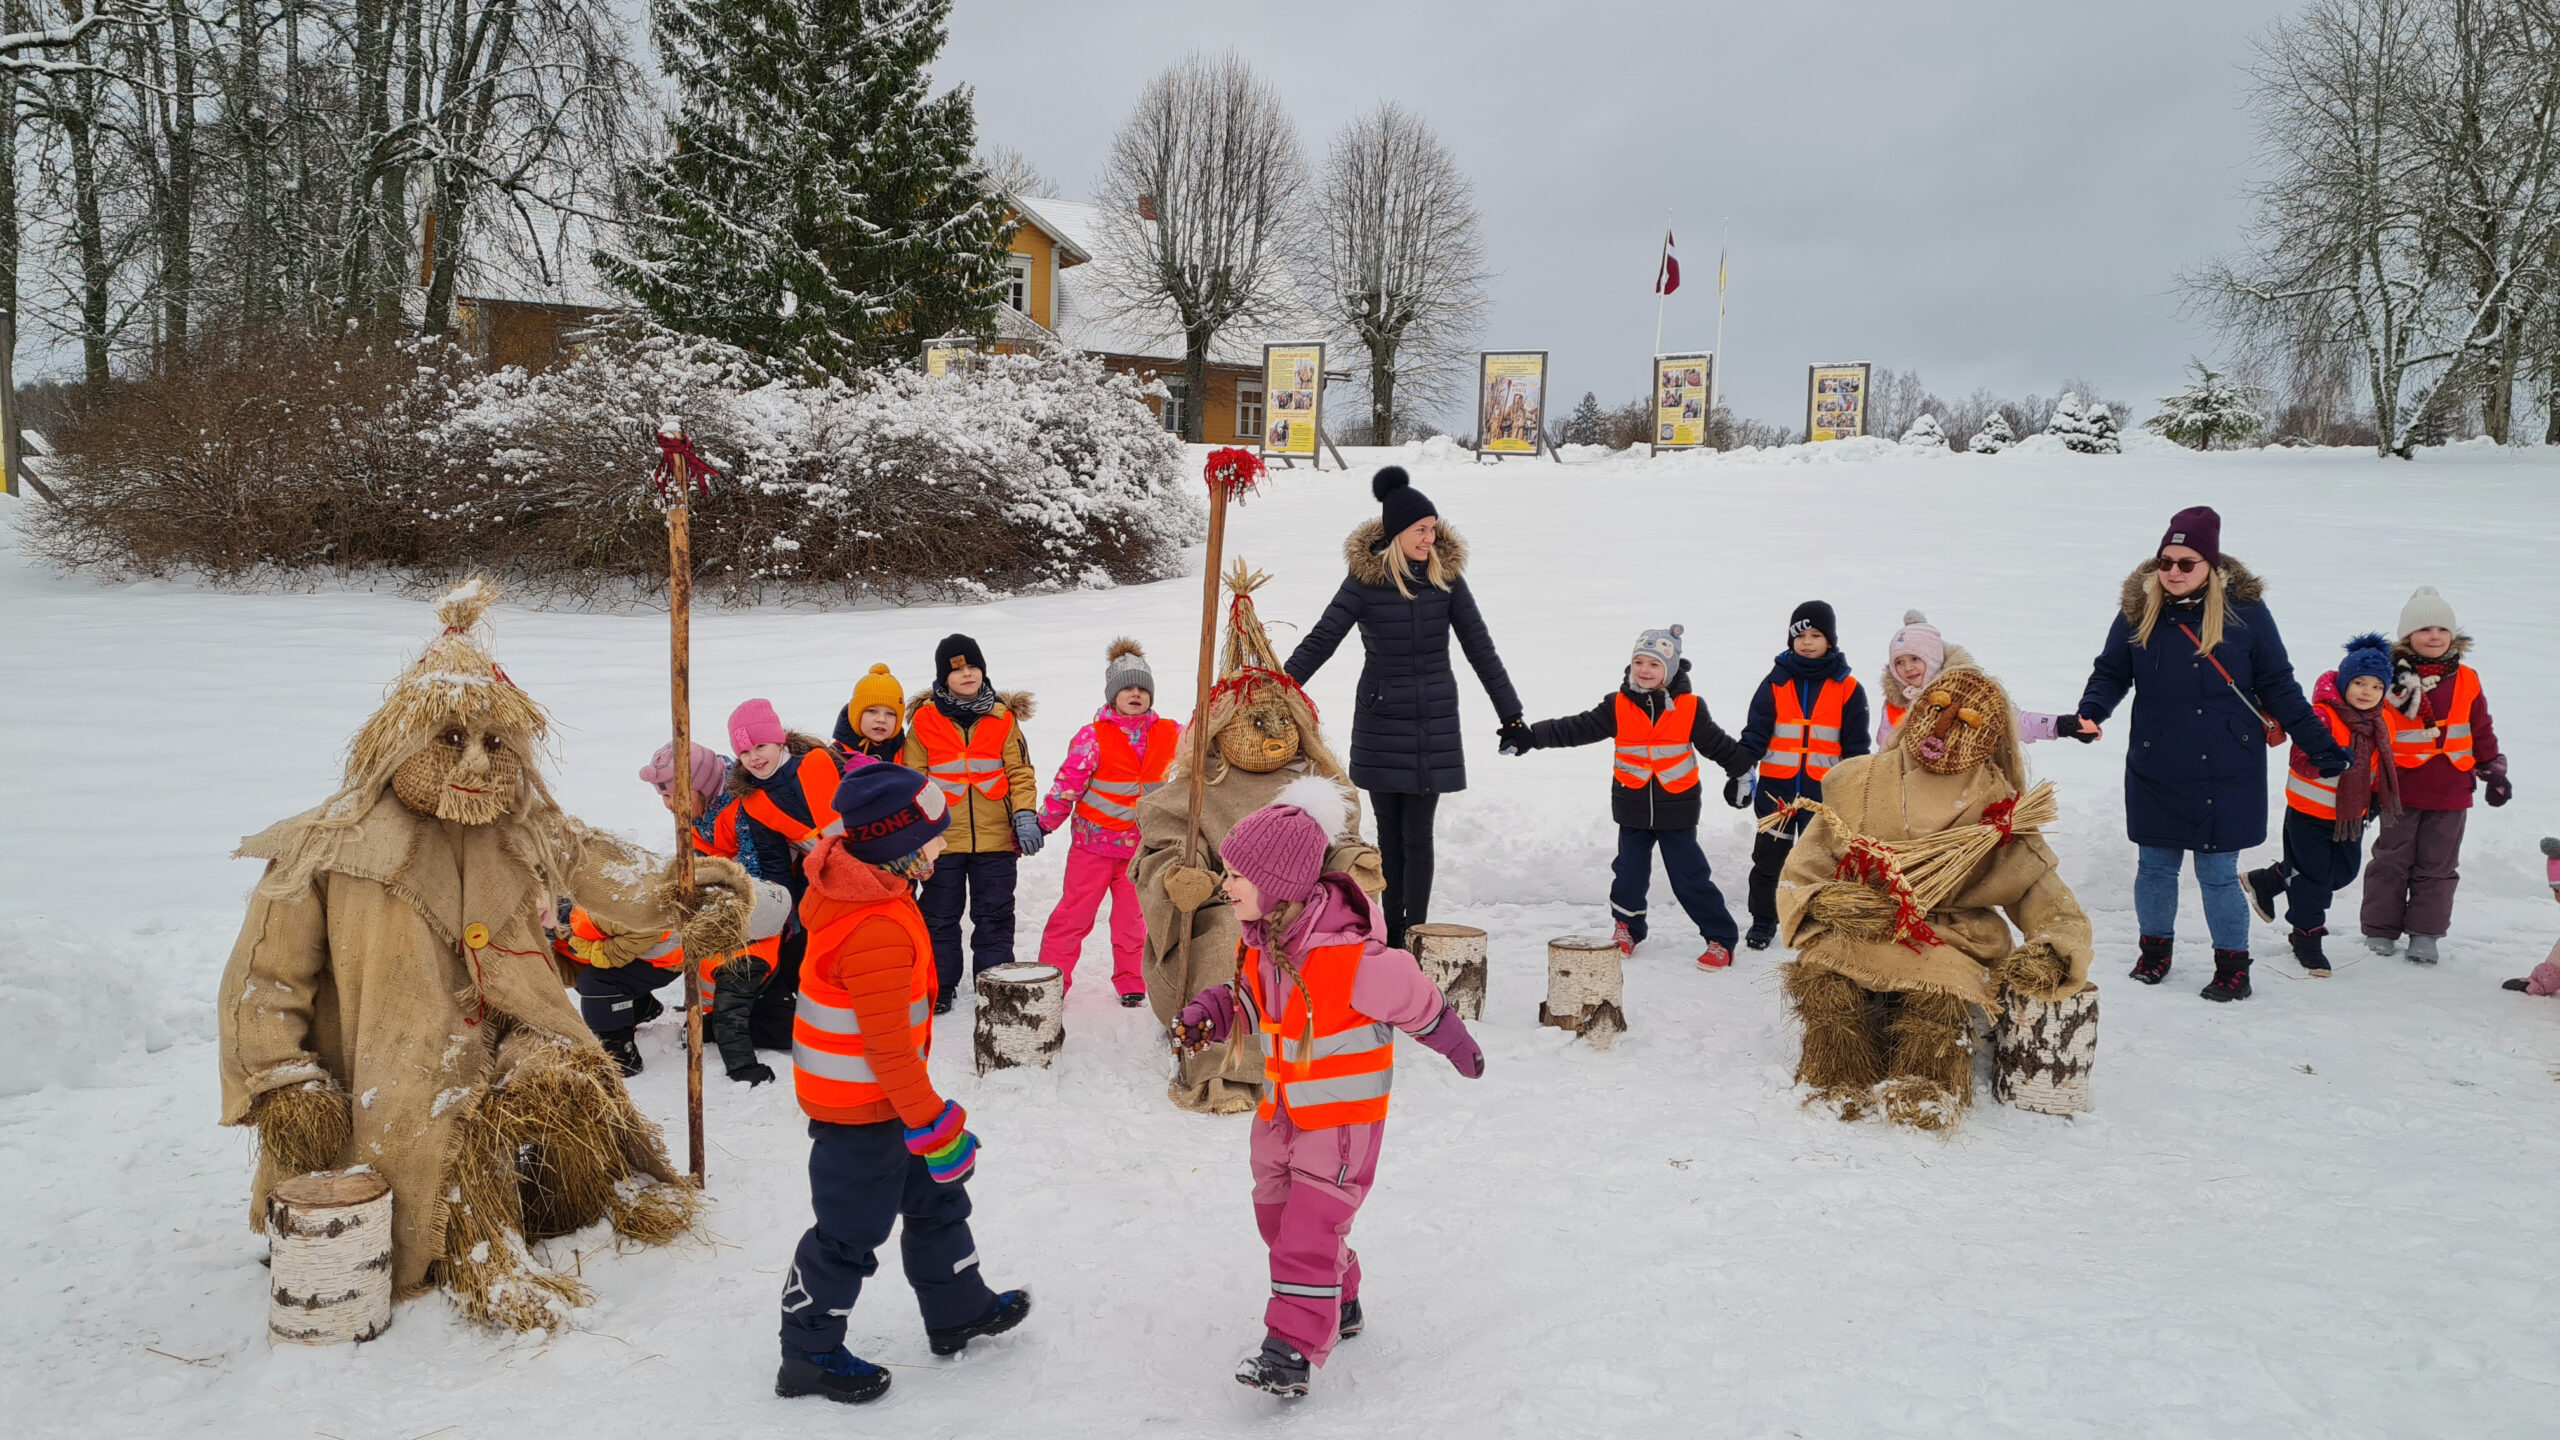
<point x="2043" y="1050"/>
<point x="329" y="1254"/>
<point x="1585" y="989"/>
<point x="1453" y="956"/>
<point x="1022" y="1016"/>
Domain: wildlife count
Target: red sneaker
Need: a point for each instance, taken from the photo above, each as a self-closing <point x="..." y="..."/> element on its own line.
<point x="1716" y="957"/>
<point x="1625" y="939"/>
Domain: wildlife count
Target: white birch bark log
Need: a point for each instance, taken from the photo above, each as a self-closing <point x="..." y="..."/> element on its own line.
<point x="1454" y="957"/>
<point x="2043" y="1051"/>
<point x="329" y="1254"/>
<point x="1585" y="989"/>
<point x="1021" y="1020"/>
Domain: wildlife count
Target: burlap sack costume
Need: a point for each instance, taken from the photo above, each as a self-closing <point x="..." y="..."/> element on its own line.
<point x="1884" y="1005"/>
<point x="1261" y="734"/>
<point x="392" y="1001"/>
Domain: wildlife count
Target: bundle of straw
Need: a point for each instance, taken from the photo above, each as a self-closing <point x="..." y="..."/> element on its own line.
<point x="1906" y="879"/>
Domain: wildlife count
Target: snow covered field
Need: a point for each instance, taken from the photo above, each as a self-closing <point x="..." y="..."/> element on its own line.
<point x="2323" y="1212"/>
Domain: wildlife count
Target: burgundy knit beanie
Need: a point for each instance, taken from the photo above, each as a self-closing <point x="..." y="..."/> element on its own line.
<point x="2199" y="529"/>
<point x="1280" y="847"/>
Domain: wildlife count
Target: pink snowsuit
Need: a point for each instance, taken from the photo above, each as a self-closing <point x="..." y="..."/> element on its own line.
<point x="2545" y="979"/>
<point x="1308" y="1184"/>
<point x="1097" y="865"/>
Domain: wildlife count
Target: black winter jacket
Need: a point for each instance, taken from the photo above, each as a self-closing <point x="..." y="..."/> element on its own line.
<point x="1856" y="735"/>
<point x="1651" y="808"/>
<point x="1404" y="730"/>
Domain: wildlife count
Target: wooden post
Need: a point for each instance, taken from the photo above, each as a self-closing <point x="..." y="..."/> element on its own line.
<point x="1586" y="991"/>
<point x="1021" y="1016"/>
<point x="680" y="698"/>
<point x="1198" y="738"/>
<point x="2043" y="1050"/>
<point x="1454" y="957"/>
<point x="329" y="1254"/>
<point x="1329" y="445"/>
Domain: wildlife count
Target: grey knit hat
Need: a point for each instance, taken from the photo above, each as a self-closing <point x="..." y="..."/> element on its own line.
<point x="2426" y="608"/>
<point x="1126" y="667"/>
<point x="1662" y="645"/>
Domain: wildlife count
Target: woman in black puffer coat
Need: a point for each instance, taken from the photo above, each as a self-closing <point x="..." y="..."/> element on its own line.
<point x="1407" y="591"/>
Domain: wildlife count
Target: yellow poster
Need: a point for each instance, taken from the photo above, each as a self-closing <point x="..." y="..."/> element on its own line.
<point x="1835" y="402"/>
<point x="1293" y="387"/>
<point x="941" y="360"/>
<point x="1511" y="401"/>
<point x="1680" y="400"/>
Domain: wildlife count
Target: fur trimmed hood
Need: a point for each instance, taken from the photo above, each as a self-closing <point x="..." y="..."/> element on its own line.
<point x="1364" y="551"/>
<point x="2239" y="583"/>
<point x="1020" y="702"/>
<point x="799" y="742"/>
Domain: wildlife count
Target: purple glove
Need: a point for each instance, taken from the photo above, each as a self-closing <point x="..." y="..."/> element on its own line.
<point x="1207" y="1019"/>
<point x="1448" y="1034"/>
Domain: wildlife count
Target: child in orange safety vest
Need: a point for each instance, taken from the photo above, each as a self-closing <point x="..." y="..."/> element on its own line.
<point x="1126" y="752"/>
<point x="2444" y="744"/>
<point x="1327" y="995"/>
<point x="1662" y="729"/>
<point x="1809" y="715"/>
<point x="967" y="735"/>
<point x="2325" y="814"/>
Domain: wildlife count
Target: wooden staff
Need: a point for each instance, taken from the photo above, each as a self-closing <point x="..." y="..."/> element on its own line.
<point x="677" y="463"/>
<point x="1229" y="471"/>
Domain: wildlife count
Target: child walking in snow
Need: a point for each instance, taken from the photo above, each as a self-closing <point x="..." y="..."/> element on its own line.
<point x="967" y="735"/>
<point x="1661" y="728"/>
<point x="1124" y="753"/>
<point x="1319" y="982"/>
<point x="873" y="723"/>
<point x="2545" y="979"/>
<point x="2443" y="742"/>
<point x="1808" y="716"/>
<point x="1918" y="654"/>
<point x="2325" y="815"/>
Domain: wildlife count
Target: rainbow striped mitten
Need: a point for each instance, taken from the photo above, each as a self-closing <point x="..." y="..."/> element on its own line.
<point x="949" y="1150"/>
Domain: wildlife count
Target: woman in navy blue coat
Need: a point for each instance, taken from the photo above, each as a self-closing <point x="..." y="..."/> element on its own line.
<point x="1407" y="594"/>
<point x="2195" y="769"/>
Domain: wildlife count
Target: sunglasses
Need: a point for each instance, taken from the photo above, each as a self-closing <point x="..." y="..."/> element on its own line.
<point x="2183" y="567"/>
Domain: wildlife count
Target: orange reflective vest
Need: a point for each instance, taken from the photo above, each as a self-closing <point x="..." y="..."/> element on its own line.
<point x="828" y="1071"/>
<point x="1322" y="1060"/>
<point x="2304" y="790"/>
<point x="1893" y="715"/>
<point x="1651" y="749"/>
<point x="2415" y="742"/>
<point x="818" y="775"/>
<point x="959" y="762"/>
<point x="667" y="954"/>
<point x="1801" y="742"/>
<point x="1121" y="774"/>
<point x="723" y="839"/>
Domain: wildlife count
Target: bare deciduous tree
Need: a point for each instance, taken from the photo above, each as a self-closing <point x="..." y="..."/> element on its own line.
<point x="1012" y="172"/>
<point x="1398" y="263"/>
<point x="1199" y="208"/>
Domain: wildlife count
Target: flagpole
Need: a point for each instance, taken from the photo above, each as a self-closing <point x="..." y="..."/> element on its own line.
<point x="1661" y="270"/>
<point x="1715" y="369"/>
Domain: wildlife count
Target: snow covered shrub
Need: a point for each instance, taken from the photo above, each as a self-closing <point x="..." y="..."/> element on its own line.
<point x="2210" y="411"/>
<point x="1029" y="472"/>
<point x="2086" y="432"/>
<point x="1994" y="436"/>
<point x="1925" y="433"/>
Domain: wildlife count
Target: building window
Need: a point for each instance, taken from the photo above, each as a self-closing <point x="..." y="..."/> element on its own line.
<point x="1248" y="409"/>
<point x="1017" y="285"/>
<point x="1177" y="406"/>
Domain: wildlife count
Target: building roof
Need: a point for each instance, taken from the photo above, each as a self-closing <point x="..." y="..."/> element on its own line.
<point x="1070" y="252"/>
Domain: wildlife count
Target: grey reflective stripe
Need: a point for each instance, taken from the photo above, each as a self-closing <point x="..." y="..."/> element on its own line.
<point x="1351" y="1041"/>
<point x="1825" y="732"/>
<point x="829" y="1066"/>
<point x="663" y="949"/>
<point x="1787" y="732"/>
<point x="1318" y="1292"/>
<point x="1682" y="771"/>
<point x="1115" y="787"/>
<point x="2325" y="791"/>
<point x="1150" y="787"/>
<point x="920" y="1013"/>
<point x="2453" y="732"/>
<point x="964" y="1262"/>
<point x="1335" y="1091"/>
<point x="834" y="1019"/>
<point x="1106" y="805"/>
<point x="1665" y="752"/>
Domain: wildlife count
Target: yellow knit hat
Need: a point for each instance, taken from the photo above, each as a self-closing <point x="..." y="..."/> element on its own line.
<point x="877" y="688"/>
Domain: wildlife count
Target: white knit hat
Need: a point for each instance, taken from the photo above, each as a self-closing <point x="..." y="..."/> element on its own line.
<point x="2425" y="608"/>
<point x="1662" y="645"/>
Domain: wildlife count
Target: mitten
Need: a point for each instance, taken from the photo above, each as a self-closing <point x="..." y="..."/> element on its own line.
<point x="1027" y="832"/>
<point x="2077" y="728"/>
<point x="2331" y="765"/>
<point x="1448" y="1035"/>
<point x="2501" y="790"/>
<point x="1515" y="737"/>
<point x="1208" y="1019"/>
<point x="1189" y="887"/>
<point x="949" y="1150"/>
<point x="1737" y="791"/>
<point x="753" y="1075"/>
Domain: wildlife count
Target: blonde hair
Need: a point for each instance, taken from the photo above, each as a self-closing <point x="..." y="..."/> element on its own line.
<point x="2216" y="606"/>
<point x="1400" y="569"/>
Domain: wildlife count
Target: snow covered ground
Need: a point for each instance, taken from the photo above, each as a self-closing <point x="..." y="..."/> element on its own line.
<point x="2322" y="1212"/>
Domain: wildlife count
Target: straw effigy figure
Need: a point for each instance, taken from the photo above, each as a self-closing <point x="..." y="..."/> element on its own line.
<point x="1263" y="734"/>
<point x="1899" y="901"/>
<point x="392" y="1001"/>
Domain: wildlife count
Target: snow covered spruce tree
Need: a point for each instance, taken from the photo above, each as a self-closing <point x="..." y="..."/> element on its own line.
<point x="815" y="207"/>
<point x="1994" y="436"/>
<point x="2103" y="434"/>
<point x="2210" y="411"/>
<point x="1925" y="433"/>
<point x="1588" y="424"/>
<point x="2090" y="431"/>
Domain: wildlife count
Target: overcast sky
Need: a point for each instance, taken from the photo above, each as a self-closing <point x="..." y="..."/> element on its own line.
<point x="1991" y="192"/>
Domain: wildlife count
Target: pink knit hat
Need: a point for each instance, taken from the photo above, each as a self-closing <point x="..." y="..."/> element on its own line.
<point x="754" y="724"/>
<point x="1918" y="637"/>
<point x="710" y="773"/>
<point x="1281" y="847"/>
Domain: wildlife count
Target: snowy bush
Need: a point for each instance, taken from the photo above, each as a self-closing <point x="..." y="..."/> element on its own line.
<point x="1027" y="472"/>
<point x="1925" y="433"/>
<point x="2086" y="432"/>
<point x="2210" y="411"/>
<point x="1994" y="436"/>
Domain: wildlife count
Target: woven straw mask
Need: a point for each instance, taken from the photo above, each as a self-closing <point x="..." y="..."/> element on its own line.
<point x="1957" y="723"/>
<point x="1260" y="740"/>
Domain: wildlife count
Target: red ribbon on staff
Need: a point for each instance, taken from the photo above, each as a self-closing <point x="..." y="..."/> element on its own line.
<point x="1235" y="471"/>
<point x="674" y="444"/>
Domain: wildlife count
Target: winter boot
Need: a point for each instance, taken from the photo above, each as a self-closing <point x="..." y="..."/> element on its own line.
<point x="1351" y="1321"/>
<point x="2230" y="976"/>
<point x="2153" y="966"/>
<point x="944" y="1000"/>
<point x="625" y="1051"/>
<point x="2520" y="984"/>
<point x="2307" y="953"/>
<point x="1760" y="934"/>
<point x="1133" y="999"/>
<point x="840" y="1375"/>
<point x="1276" y="1369"/>
<point x="2382" y="944"/>
<point x="2422" y="949"/>
<point x="2264" y="888"/>
<point x="1010" y="1308"/>
<point x="1623" y="938"/>
<point x="1715" y="956"/>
